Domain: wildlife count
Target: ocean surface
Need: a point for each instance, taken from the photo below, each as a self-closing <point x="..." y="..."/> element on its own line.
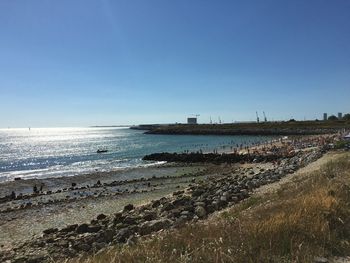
<point x="55" y="152"/>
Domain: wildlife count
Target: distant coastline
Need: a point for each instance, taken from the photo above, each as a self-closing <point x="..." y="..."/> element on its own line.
<point x="110" y="126"/>
<point x="264" y="128"/>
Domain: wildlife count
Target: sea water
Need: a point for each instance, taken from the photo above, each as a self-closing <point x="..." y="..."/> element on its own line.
<point x="53" y="152"/>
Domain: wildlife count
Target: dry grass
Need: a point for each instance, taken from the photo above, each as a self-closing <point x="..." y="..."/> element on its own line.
<point x="307" y="218"/>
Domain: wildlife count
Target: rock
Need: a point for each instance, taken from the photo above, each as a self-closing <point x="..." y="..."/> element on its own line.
<point x="197" y="192"/>
<point x="200" y="211"/>
<point x="185" y="213"/>
<point x="63" y="243"/>
<point x="154" y="225"/>
<point x="210" y="208"/>
<point x="82" y="247"/>
<point x="129" y="207"/>
<point x="94" y="222"/>
<point x="130" y="220"/>
<point x="69" y="228"/>
<point x="223" y="198"/>
<point x="200" y="204"/>
<point x="118" y="217"/>
<point x="149" y="216"/>
<point x="83" y="228"/>
<point x="172" y="213"/>
<point x="178" y="193"/>
<point x="50" y="231"/>
<point x="29" y="259"/>
<point x="155" y="203"/>
<point x="123" y="234"/>
<point x="98" y="245"/>
<point x="101" y="217"/>
<point x="167" y="207"/>
<point x="93" y="229"/>
<point x="320" y="260"/>
<point x="107" y="236"/>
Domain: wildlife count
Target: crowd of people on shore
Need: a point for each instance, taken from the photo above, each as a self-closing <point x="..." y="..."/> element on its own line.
<point x="282" y="147"/>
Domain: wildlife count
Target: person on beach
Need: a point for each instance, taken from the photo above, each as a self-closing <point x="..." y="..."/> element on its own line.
<point x="13" y="195"/>
<point x="35" y="189"/>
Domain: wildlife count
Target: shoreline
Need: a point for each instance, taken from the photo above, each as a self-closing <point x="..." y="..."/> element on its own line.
<point x="173" y="194"/>
<point x="80" y="204"/>
<point x="172" y="201"/>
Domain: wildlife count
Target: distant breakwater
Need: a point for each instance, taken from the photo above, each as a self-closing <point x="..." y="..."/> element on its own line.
<point x="263" y="132"/>
<point x="266" y="128"/>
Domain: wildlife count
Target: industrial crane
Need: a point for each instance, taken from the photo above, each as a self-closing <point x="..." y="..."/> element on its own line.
<point x="265" y="119"/>
<point x="257" y="117"/>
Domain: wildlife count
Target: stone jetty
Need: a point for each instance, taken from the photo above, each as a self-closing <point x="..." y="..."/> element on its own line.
<point x="214" y="157"/>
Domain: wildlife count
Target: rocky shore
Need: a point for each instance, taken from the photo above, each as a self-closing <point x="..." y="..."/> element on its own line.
<point x="133" y="222"/>
<point x="215" y="157"/>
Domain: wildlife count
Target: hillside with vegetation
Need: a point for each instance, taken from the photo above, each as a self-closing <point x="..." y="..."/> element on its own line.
<point x="304" y="219"/>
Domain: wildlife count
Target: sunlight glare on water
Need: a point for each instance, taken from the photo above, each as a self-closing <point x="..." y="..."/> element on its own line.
<point x="52" y="152"/>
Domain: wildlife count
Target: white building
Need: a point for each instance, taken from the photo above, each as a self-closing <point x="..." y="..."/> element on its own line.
<point x="191" y="120"/>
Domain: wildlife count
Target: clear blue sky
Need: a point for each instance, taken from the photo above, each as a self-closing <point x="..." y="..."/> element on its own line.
<point x="84" y="62"/>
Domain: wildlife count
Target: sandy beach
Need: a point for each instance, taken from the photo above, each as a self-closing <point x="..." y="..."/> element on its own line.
<point x="60" y="204"/>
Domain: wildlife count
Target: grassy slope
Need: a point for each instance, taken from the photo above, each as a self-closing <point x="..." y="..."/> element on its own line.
<point x="306" y="218"/>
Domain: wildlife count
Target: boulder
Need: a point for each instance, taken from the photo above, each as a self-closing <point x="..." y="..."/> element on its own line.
<point x="82" y="247"/>
<point x="155" y="203"/>
<point x="200" y="211"/>
<point x="69" y="228"/>
<point x="50" y="231"/>
<point x="129" y="207"/>
<point x="106" y="236"/>
<point x="149" y="216"/>
<point x="93" y="229"/>
<point x="101" y="217"/>
<point x="83" y="228"/>
<point x="130" y="220"/>
<point x="167" y="207"/>
<point x="154" y="225"/>
<point x="123" y="234"/>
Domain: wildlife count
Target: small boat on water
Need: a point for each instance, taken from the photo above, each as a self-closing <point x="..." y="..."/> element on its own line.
<point x="102" y="151"/>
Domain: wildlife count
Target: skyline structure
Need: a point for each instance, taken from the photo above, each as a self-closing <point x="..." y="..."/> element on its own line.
<point x="84" y="63"/>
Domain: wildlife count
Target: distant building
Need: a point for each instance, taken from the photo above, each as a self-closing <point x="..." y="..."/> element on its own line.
<point x="325" y="116"/>
<point x="340" y="115"/>
<point x="191" y="120"/>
